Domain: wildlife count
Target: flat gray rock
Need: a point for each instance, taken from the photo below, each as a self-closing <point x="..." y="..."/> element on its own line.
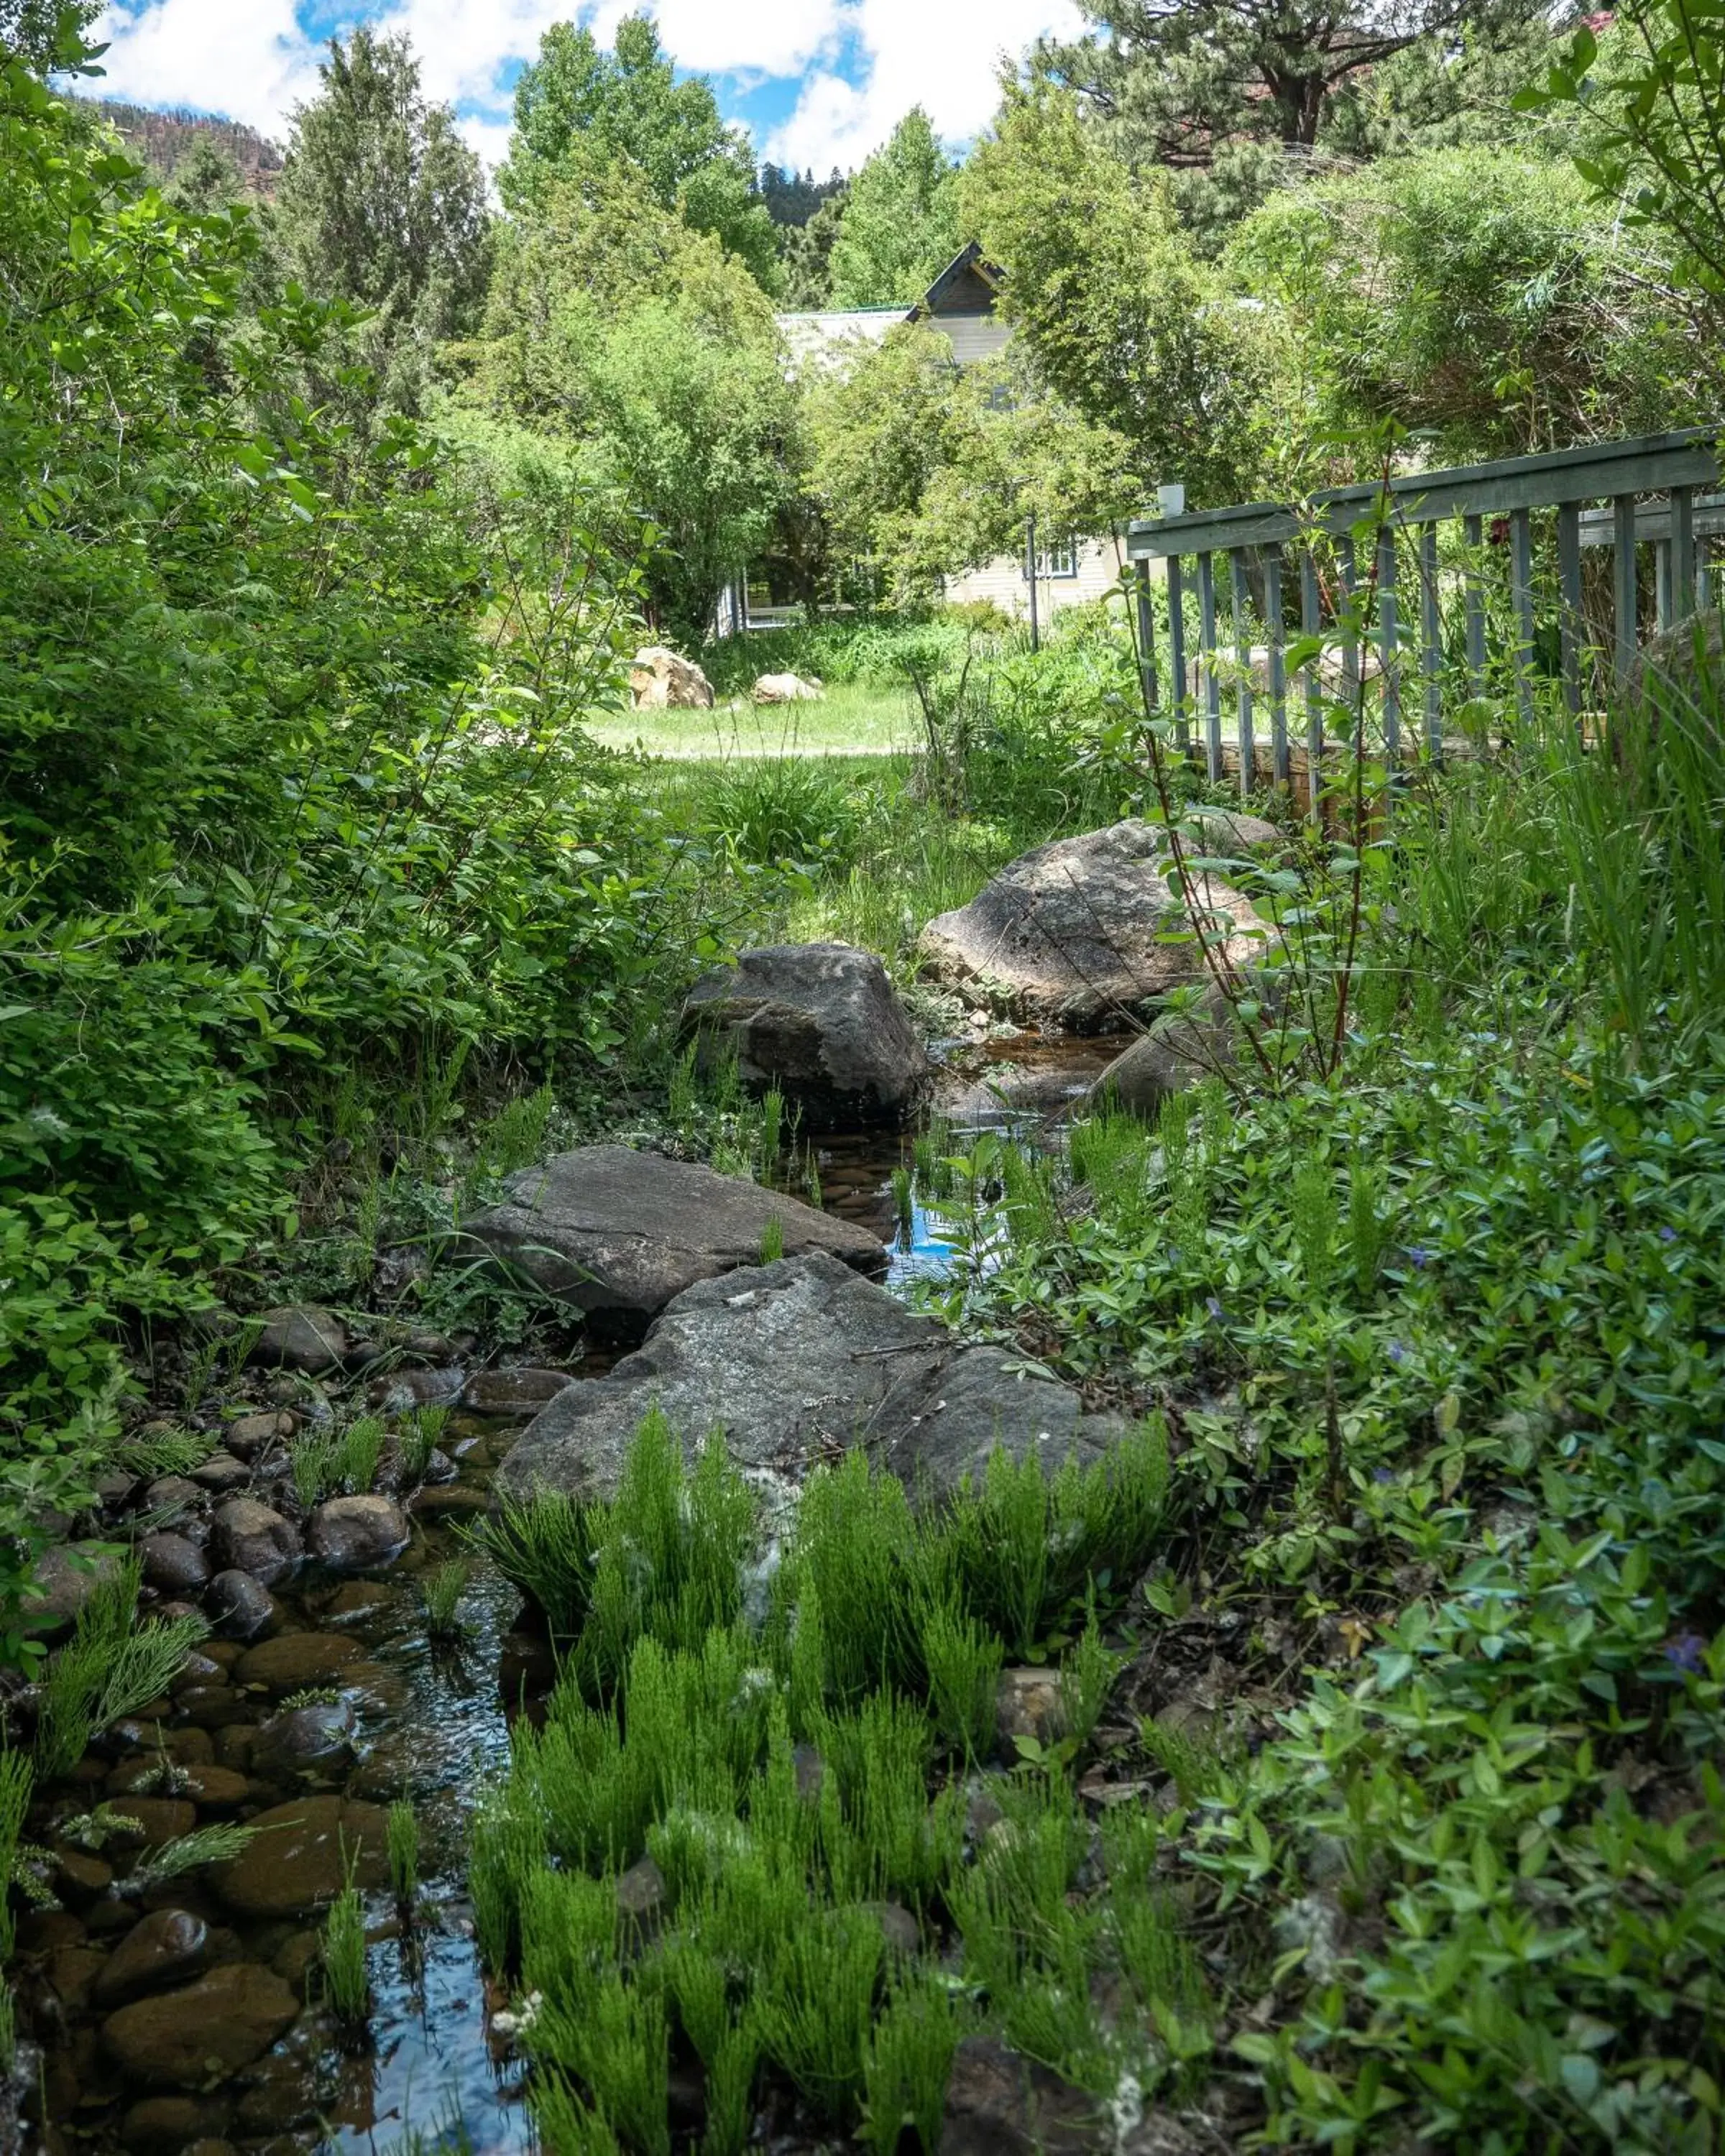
<point x="1085" y="932"/>
<point x="795" y="1362"/>
<point x="822" y="1022"/>
<point x="618" y="1233"/>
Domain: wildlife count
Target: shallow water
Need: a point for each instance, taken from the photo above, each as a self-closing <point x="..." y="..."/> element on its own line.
<point x="431" y="1725"/>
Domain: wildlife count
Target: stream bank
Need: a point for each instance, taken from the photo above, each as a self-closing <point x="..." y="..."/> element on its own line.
<point x="378" y="1715"/>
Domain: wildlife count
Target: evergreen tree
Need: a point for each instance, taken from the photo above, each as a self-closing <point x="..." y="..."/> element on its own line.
<point x="1224" y="93"/>
<point x="580" y="110"/>
<point x="900" y="227"/>
<point x="381" y="201"/>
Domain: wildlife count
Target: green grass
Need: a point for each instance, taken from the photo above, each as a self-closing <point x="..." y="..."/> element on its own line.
<point x="675" y="1738"/>
<point x="348" y="1990"/>
<point x="853" y="720"/>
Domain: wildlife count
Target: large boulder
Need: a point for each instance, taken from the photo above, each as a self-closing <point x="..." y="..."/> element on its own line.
<point x="301" y="1336"/>
<point x="618" y="1233"/>
<point x="1683" y="667"/>
<point x="822" y="1022"/>
<point x="793" y="1362"/>
<point x="1077" y="932"/>
<point x="785" y="689"/>
<point x="661" y="679"/>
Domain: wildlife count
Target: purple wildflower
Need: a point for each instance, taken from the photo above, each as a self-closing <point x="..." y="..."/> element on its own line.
<point x="1667" y="1235"/>
<point x="1684" y="1652"/>
<point x="1215" y="1308"/>
<point x="1419" y="1257"/>
<point x="1398" y="1352"/>
<point x="1382" y="1475"/>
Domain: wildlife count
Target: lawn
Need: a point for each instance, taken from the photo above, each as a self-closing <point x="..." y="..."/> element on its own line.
<point x="851" y="719"/>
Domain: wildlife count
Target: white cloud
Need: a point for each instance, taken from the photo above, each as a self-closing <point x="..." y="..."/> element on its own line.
<point x="252" y="59"/>
<point x="942" y="55"/>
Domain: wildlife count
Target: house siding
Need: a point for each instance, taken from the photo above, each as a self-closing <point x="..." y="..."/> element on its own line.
<point x="1002" y="582"/>
<point x="973" y="337"/>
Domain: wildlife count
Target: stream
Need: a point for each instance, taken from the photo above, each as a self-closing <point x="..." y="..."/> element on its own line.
<point x="429" y="1726"/>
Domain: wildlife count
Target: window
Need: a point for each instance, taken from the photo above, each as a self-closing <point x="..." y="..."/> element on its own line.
<point x="1060" y="560"/>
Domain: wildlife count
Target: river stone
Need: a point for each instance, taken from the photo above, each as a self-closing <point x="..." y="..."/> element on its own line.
<point x="620" y="1233"/>
<point x="159" y="1950"/>
<point x="352" y="1534"/>
<point x="172" y="1493"/>
<point x="254" y="1434"/>
<point x="173" y="1565"/>
<point x="239" y="1607"/>
<point x="999" y="2104"/>
<point x="301" y="1336"/>
<point x="166" y="2125"/>
<point x="1074" y="933"/>
<point x="222" y="1474"/>
<point x="67" y="1575"/>
<point x="305" y="1736"/>
<point x="297" y="1661"/>
<point x="185" y="2038"/>
<point x="1028" y="1703"/>
<point x="792" y="1361"/>
<point x="158" y="1820"/>
<point x="248" y="1536"/>
<point x="299" y="1856"/>
<point x="512" y="1393"/>
<point x="822" y="1022"/>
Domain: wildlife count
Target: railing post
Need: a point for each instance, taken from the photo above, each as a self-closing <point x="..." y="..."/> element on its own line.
<point x="1682" y="552"/>
<point x="1240" y="596"/>
<point x="1147" y="634"/>
<point x="1278" y="665"/>
<point x="1570" y="621"/>
<point x="1350" y="649"/>
<point x="1624" y="585"/>
<point x="1521" y="583"/>
<point x="1311" y="625"/>
<point x="1431" y="643"/>
<point x="1474" y="589"/>
<point x="1389" y="660"/>
<point x="1207" y="666"/>
<point x="1177" y="651"/>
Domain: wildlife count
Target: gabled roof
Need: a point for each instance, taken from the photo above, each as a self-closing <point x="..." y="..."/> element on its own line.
<point x="969" y="284"/>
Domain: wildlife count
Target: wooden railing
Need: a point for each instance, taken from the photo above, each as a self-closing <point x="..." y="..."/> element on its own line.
<point x="1620" y="494"/>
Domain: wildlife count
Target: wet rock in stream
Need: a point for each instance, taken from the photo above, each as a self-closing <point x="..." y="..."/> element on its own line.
<point x="1083" y="931"/>
<point x="822" y="1022"/>
<point x="294" y="1661"/>
<point x="299" y="1858"/>
<point x="794" y="1361"/>
<point x="248" y="1536"/>
<point x="186" y="2039"/>
<point x="355" y="1534"/>
<point x="173" y="1564"/>
<point x="619" y="1233"/>
<point x="163" y="1949"/>
<point x="239" y="1607"/>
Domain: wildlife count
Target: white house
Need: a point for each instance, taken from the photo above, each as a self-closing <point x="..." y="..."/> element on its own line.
<point x="962" y="303"/>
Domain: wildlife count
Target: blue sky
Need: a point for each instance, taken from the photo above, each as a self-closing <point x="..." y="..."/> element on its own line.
<point x="816" y="82"/>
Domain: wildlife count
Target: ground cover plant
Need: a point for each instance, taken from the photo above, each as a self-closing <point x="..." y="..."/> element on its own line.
<point x="762" y="1736"/>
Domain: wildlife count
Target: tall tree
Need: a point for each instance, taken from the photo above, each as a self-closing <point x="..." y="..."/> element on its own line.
<point x="900" y="222"/>
<point x="1226" y="91"/>
<point x="646" y="354"/>
<point x="380" y="202"/>
<point x="580" y="110"/>
<point x="1124" y="324"/>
